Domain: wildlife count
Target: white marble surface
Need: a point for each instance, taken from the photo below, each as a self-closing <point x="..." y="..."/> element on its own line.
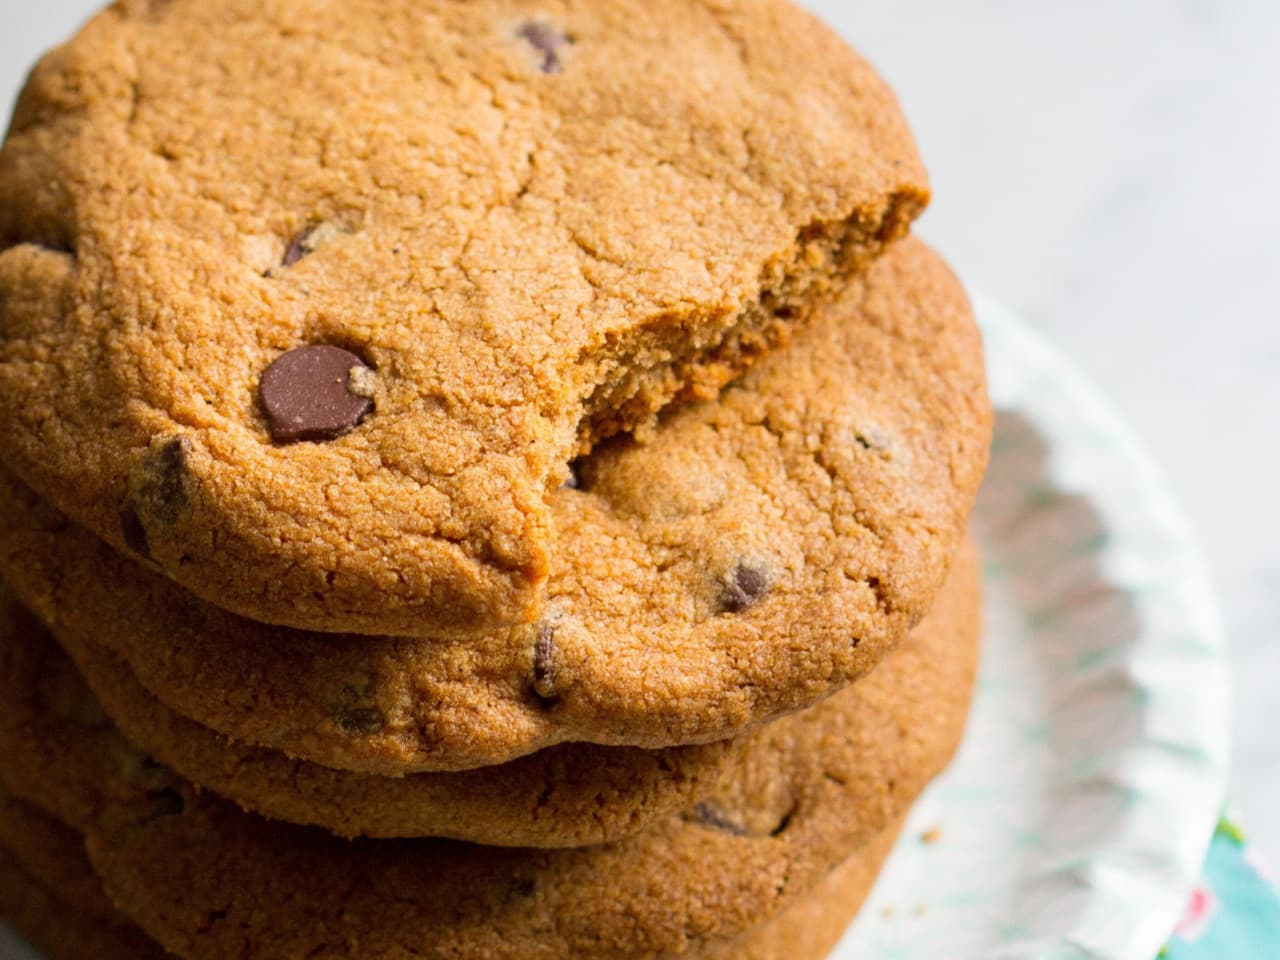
<point x="1110" y="169"/>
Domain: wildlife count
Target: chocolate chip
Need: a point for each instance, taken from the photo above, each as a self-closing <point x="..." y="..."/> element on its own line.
<point x="711" y="816"/>
<point x="745" y="586"/>
<point x="359" y="721"/>
<point x="548" y="41"/>
<point x="135" y="534"/>
<point x="545" y="669"/>
<point x="309" y="241"/>
<point x="308" y="394"/>
<point x="355" y="709"/>
<point x="295" y="251"/>
<point x="157" y="491"/>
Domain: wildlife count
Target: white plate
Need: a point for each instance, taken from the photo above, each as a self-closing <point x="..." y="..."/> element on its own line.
<point x="1076" y="817"/>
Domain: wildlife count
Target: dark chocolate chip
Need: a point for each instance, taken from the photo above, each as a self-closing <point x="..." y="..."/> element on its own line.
<point x="135" y="534"/>
<point x="157" y="492"/>
<point x="310" y="240"/>
<point x="297" y="248"/>
<point x="548" y="41"/>
<point x="360" y="721"/>
<point x="745" y="586"/>
<point x="545" y="670"/>
<point x="709" y="816"/>
<point x="163" y="478"/>
<point x="355" y="711"/>
<point x="308" y="394"/>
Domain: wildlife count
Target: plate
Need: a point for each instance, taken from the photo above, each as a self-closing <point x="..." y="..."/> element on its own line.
<point x="1077" y="815"/>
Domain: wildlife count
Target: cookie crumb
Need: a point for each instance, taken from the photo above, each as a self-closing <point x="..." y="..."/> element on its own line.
<point x="931" y="836"/>
<point x="362" y="381"/>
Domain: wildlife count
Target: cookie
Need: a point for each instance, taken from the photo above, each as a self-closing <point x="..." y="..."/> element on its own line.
<point x="51" y="922"/>
<point x="312" y="311"/>
<point x="210" y="881"/>
<point x="60" y="925"/>
<point x="757" y="553"/>
<point x="566" y="796"/>
<point x="811" y="927"/>
<point x="45" y="848"/>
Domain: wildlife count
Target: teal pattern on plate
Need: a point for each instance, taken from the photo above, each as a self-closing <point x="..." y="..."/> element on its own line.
<point x="1234" y="912"/>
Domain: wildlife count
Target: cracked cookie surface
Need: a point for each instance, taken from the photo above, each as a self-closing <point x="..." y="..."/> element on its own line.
<point x="528" y="226"/>
<point x="210" y="881"/>
<point x="756" y="553"/>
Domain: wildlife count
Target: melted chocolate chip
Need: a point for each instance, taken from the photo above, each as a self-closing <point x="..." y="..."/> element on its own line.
<point x="308" y="394"/>
<point x="548" y="41"/>
<point x="545" y="670"/>
<point x="744" y="587"/>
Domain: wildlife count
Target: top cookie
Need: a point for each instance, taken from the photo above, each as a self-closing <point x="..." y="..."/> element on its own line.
<point x="313" y="309"/>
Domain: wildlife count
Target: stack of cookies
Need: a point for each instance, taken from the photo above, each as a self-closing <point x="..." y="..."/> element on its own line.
<point x="480" y="479"/>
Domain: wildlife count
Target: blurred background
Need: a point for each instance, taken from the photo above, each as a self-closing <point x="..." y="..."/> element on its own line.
<point x="1108" y="168"/>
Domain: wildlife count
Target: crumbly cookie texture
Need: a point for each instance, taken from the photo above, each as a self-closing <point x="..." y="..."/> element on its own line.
<point x="757" y="553"/>
<point x="64" y="927"/>
<point x="567" y="796"/>
<point x="529" y="226"/>
<point x="210" y="881"/>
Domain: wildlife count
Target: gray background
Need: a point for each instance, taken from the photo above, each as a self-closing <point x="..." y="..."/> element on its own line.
<point x="1109" y="168"/>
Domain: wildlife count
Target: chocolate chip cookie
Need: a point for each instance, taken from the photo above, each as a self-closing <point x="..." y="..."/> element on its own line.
<point x="756" y="553"/>
<point x="210" y="881"/>
<point x="312" y="309"/>
<point x="566" y="796"/>
<point x="64" y="927"/>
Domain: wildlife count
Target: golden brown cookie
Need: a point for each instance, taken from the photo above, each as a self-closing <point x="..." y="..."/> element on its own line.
<point x="210" y="881"/>
<point x="313" y="308"/>
<point x="757" y="553"/>
<point x="566" y="796"/>
<point x="61" y="927"/>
